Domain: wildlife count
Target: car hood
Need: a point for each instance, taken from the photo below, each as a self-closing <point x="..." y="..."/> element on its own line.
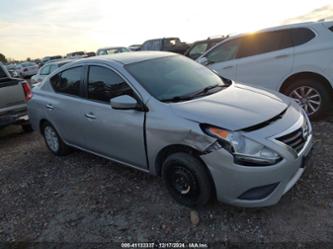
<point x="234" y="108"/>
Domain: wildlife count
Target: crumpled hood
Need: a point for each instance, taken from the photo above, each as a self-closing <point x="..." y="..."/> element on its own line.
<point x="234" y="108"/>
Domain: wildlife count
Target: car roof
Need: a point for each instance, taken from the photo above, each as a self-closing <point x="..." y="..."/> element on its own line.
<point x="211" y="40"/>
<point x="110" y="48"/>
<point x="129" y="57"/>
<point x="281" y="27"/>
<point x="60" y="61"/>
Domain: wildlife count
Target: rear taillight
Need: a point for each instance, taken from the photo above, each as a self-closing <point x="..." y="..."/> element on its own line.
<point x="26" y="90"/>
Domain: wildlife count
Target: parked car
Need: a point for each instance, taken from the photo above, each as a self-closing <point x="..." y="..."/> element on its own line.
<point x="294" y="59"/>
<point x="198" y="48"/>
<point x="90" y="54"/>
<point x="171" y="44"/>
<point x="26" y="69"/>
<point x="11" y="68"/>
<point x="76" y="55"/>
<point x="50" y="58"/>
<point x="47" y="69"/>
<point x="112" y="50"/>
<point x="166" y="114"/>
<point x="13" y="96"/>
<point x="135" y="47"/>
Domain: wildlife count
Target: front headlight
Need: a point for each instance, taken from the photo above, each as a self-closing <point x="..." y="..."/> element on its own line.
<point x="245" y="151"/>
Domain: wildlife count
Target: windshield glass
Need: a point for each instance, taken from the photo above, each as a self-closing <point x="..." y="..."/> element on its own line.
<point x="173" y="76"/>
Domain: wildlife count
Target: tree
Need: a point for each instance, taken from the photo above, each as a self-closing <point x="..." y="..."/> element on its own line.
<point x="3" y="58"/>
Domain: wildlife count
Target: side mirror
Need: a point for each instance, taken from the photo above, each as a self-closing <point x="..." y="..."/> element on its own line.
<point x="203" y="61"/>
<point x="124" y="102"/>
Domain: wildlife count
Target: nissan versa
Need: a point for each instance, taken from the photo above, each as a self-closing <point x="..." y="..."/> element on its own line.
<point x="167" y="115"/>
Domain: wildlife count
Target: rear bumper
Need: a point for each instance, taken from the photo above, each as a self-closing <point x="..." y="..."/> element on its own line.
<point x="14" y="118"/>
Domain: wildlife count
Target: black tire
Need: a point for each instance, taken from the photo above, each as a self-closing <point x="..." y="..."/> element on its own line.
<point x="196" y="190"/>
<point x="62" y="149"/>
<point x="319" y="86"/>
<point x="27" y="128"/>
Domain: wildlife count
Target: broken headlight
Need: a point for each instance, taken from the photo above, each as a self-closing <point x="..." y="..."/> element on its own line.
<point x="245" y="151"/>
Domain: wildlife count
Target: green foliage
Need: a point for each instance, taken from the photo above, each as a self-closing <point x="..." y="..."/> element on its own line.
<point x="3" y="58"/>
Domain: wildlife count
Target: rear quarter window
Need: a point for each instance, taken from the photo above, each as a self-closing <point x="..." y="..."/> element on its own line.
<point x="68" y="81"/>
<point x="301" y="35"/>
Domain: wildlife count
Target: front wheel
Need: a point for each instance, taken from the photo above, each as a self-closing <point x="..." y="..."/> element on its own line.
<point x="187" y="180"/>
<point x="312" y="95"/>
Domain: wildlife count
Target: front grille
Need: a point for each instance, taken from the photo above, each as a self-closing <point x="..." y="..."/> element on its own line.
<point x="295" y="140"/>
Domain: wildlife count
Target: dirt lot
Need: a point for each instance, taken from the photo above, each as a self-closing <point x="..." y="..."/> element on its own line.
<point x="83" y="198"/>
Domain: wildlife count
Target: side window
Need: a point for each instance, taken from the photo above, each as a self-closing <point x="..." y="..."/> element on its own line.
<point x="45" y="70"/>
<point x="152" y="45"/>
<point x="68" y="81"/>
<point x="301" y="35"/>
<point x="198" y="50"/>
<point x="53" y="68"/>
<point x="264" y="42"/>
<point x="224" y="52"/>
<point x="104" y="84"/>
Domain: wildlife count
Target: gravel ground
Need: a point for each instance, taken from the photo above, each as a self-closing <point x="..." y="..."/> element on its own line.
<point x="82" y="198"/>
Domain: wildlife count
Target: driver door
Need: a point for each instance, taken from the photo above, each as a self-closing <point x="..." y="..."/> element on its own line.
<point x="118" y="134"/>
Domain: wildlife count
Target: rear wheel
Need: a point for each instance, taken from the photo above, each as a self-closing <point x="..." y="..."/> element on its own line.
<point x="187" y="180"/>
<point x="53" y="141"/>
<point x="311" y="94"/>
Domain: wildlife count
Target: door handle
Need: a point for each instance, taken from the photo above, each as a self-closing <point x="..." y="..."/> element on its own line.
<point x="228" y="67"/>
<point x="90" y="115"/>
<point x="281" y="56"/>
<point x="50" y="107"/>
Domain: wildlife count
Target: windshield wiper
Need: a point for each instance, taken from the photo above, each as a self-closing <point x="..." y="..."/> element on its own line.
<point x="193" y="95"/>
<point x="177" y="99"/>
<point x="205" y="90"/>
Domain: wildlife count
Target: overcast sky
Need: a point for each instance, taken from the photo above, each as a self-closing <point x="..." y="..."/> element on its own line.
<point x="37" y="28"/>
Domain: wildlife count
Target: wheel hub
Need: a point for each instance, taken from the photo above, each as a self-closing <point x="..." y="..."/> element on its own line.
<point x="51" y="139"/>
<point x="308" y="98"/>
<point x="183" y="182"/>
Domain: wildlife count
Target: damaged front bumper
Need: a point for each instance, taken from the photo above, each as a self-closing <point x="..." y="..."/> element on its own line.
<point x="250" y="186"/>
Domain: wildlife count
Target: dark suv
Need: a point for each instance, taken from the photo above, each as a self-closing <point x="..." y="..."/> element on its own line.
<point x="171" y="44"/>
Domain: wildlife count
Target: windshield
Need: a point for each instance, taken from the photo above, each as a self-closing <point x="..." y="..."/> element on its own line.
<point x="173" y="76"/>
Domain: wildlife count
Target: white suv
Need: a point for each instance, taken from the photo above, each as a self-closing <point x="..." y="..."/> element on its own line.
<point x="296" y="60"/>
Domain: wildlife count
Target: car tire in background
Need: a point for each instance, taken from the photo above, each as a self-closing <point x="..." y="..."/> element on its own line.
<point x="187" y="179"/>
<point x="312" y="94"/>
<point x="53" y="141"/>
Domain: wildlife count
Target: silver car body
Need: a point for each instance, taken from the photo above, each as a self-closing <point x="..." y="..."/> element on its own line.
<point x="138" y="138"/>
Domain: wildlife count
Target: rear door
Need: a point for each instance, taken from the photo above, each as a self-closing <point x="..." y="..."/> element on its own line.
<point x="265" y="59"/>
<point x="65" y="109"/>
<point x="118" y="134"/>
<point x="222" y="58"/>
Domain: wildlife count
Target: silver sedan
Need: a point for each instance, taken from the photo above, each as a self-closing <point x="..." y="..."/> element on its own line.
<point x="167" y="115"/>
